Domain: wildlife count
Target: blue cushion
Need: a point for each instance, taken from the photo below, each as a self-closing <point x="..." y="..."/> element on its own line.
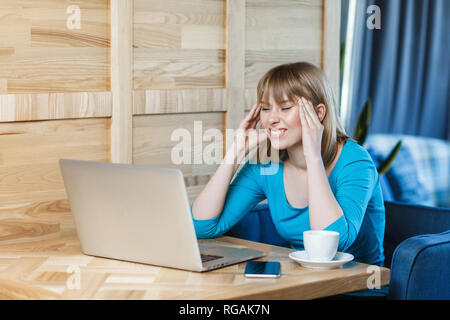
<point x="420" y="268"/>
<point x="402" y="179"/>
<point x="431" y="157"/>
<point x="384" y="182"/>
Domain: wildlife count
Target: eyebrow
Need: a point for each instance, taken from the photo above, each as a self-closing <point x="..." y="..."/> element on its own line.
<point x="282" y="102"/>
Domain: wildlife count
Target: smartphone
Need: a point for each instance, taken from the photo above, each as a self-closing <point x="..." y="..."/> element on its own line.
<point x="263" y="269"/>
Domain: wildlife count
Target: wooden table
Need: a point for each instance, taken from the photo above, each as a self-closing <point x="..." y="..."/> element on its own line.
<point x="56" y="269"/>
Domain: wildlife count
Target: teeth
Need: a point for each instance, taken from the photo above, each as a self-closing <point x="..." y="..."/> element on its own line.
<point x="277" y="132"/>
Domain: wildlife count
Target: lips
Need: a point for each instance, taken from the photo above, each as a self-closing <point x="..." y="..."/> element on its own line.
<point x="277" y="133"/>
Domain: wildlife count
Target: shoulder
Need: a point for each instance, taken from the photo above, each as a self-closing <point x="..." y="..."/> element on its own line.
<point x="353" y="153"/>
<point x="355" y="160"/>
<point x="251" y="170"/>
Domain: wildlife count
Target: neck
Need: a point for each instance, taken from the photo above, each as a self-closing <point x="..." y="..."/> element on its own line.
<point x="297" y="157"/>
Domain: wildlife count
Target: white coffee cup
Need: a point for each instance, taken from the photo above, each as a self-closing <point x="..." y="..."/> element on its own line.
<point x="320" y="245"/>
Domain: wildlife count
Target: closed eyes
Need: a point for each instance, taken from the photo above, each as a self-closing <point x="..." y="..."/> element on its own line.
<point x="283" y="109"/>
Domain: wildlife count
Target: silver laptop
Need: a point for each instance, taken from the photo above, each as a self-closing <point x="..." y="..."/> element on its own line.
<point x="140" y="214"/>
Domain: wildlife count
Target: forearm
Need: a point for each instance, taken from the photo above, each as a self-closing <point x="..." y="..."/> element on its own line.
<point x="209" y="203"/>
<point x="323" y="206"/>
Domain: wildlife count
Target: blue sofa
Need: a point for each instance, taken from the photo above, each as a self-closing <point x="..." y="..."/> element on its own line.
<point x="416" y="191"/>
<point x="417" y="250"/>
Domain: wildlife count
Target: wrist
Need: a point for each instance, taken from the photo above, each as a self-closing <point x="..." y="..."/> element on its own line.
<point x="314" y="161"/>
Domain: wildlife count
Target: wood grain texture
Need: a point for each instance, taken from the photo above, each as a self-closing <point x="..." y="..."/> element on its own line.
<point x="3" y="86"/>
<point x="251" y="98"/>
<point x="235" y="63"/>
<point x="178" y="101"/>
<point x="179" y="45"/>
<point x="191" y="61"/>
<point x="16" y="290"/>
<point x="32" y="194"/>
<point x="281" y="32"/>
<point x="40" y="53"/>
<point x="153" y="144"/>
<point x="52" y="106"/>
<point x="43" y="268"/>
<point x="331" y="42"/>
<point x="121" y="81"/>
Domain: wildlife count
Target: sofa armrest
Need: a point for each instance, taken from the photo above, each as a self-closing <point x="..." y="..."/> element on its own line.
<point x="420" y="268"/>
<point x="404" y="220"/>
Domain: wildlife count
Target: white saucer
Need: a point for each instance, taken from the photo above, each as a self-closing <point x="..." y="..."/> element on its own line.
<point x="302" y="258"/>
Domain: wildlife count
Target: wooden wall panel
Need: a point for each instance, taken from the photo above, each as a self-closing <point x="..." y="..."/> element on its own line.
<point x="33" y="201"/>
<point x="179" y="44"/>
<point x="235" y="78"/>
<point x="152" y="144"/>
<point x="121" y="81"/>
<point x="192" y="60"/>
<point x="332" y="43"/>
<point x="178" y="101"/>
<point x="39" y="53"/>
<point x="279" y="32"/>
<point x="49" y="71"/>
<point x="47" y="106"/>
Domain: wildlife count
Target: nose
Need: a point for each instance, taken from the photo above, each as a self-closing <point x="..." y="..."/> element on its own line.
<point x="274" y="116"/>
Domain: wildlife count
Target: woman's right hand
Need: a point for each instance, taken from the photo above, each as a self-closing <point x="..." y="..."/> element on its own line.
<point x="209" y="203"/>
<point x="247" y="136"/>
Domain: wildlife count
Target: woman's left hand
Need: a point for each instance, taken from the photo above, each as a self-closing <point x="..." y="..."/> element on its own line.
<point x="312" y="130"/>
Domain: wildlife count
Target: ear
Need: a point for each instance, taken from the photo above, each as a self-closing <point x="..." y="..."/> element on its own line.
<point x="321" y="111"/>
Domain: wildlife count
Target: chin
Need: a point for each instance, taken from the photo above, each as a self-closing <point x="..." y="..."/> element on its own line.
<point x="283" y="145"/>
<point x="280" y="146"/>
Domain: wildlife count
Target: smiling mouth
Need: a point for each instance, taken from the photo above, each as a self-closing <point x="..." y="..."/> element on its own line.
<point x="277" y="133"/>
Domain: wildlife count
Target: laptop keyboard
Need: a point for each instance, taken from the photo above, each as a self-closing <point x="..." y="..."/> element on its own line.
<point x="209" y="257"/>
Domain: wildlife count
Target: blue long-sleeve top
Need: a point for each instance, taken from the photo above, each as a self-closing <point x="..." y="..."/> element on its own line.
<point x="354" y="182"/>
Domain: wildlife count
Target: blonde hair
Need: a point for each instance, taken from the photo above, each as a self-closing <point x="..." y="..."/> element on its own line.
<point x="302" y="79"/>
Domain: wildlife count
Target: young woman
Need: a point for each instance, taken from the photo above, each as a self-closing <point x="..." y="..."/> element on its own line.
<point x="324" y="181"/>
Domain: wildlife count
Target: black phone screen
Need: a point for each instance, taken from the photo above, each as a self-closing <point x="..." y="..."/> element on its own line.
<point x="263" y="269"/>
